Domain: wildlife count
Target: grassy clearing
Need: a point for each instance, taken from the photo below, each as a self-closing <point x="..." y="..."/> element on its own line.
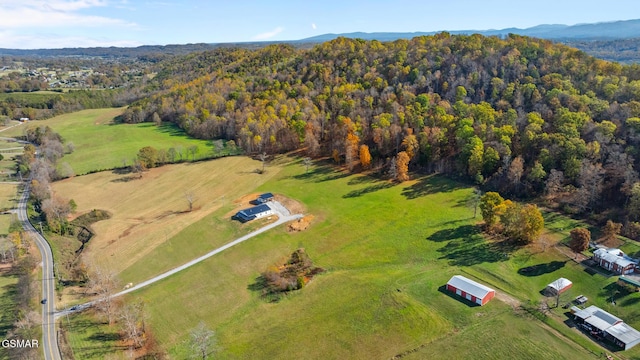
<point x="100" y="144"/>
<point x="152" y="212"/>
<point x="91" y="339"/>
<point x="495" y="335"/>
<point x="388" y="249"/>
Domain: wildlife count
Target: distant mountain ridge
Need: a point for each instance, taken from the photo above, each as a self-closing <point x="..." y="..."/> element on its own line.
<point x="624" y="29"/>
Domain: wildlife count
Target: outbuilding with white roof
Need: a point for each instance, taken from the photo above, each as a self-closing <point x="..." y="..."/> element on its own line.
<point x="470" y="290"/>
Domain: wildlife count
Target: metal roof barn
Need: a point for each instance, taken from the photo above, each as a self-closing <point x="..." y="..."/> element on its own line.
<point x="470" y="290"/>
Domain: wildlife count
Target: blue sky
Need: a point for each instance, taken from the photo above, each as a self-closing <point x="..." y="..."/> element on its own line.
<point x="29" y="24"/>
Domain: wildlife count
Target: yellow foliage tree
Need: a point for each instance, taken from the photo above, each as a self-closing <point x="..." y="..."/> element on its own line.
<point x="365" y="157"/>
<point x="402" y="164"/>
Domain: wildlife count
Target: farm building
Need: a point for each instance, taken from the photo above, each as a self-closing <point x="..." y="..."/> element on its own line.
<point x="614" y="260"/>
<point x="470" y="290"/>
<point x="603" y="325"/>
<point x="255" y="212"/>
<point x="558" y="287"/>
<point x="624" y="280"/>
<point x="263" y="199"/>
<point x="623" y="335"/>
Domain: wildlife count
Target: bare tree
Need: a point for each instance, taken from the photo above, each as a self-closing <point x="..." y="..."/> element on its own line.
<point x="263" y="158"/>
<point x="7" y="250"/>
<point x="203" y="341"/>
<point x="191" y="198"/>
<point x="307" y="162"/>
<point x="516" y="169"/>
<point x="590" y="180"/>
<point x="556" y="290"/>
<point x="131" y="319"/>
<point x="474" y="201"/>
<point x="102" y="282"/>
<point x="555" y="182"/>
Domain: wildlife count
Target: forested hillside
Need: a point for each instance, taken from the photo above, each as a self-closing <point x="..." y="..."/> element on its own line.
<point x="523" y="116"/>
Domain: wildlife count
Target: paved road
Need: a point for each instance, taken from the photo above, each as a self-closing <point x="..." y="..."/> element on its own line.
<point x="275" y="206"/>
<point x="49" y="335"/>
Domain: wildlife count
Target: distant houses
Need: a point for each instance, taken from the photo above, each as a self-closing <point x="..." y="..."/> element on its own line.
<point x="470" y="290"/>
<point x="603" y="325"/>
<point x="615" y="261"/>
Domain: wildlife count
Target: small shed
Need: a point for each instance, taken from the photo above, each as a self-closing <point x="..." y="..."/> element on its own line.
<point x="558" y="287"/>
<point x="255" y="212"/>
<point x="470" y="290"/>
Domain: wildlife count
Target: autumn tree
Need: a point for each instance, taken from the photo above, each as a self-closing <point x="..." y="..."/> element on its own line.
<point x="402" y="164"/>
<point x="489" y="203"/>
<point x="311" y="141"/>
<point x="580" y="239"/>
<point x="351" y="150"/>
<point x="365" y="157"/>
<point x="611" y="230"/>
<point x="148" y="157"/>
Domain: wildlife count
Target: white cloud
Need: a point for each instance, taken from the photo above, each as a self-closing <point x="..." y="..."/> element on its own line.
<point x="313" y="26"/>
<point x="53" y="13"/>
<point x="269" y="34"/>
<point x="12" y="40"/>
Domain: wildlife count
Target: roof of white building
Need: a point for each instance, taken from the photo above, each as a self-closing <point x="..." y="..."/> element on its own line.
<point x="469" y="286"/>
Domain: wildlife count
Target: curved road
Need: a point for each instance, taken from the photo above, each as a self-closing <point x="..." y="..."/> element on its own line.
<point x="49" y="334"/>
<point x="283" y="217"/>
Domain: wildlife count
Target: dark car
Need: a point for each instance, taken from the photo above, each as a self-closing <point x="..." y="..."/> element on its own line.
<point x="43" y="301"/>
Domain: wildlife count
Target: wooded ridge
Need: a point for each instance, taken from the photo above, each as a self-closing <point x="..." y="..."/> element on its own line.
<point x="523" y="116"/>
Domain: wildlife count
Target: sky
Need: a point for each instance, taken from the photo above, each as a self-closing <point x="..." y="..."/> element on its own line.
<point x="33" y="24"/>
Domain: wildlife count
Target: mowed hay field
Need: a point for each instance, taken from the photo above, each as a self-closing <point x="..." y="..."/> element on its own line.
<point x="150" y="211"/>
<point x="102" y="144"/>
<point x="388" y="250"/>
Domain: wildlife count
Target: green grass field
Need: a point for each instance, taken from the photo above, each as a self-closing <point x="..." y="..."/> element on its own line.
<point x="7" y="307"/>
<point x="388" y="249"/>
<point x="101" y="144"/>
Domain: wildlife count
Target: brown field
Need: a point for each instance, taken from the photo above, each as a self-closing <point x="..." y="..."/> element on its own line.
<point x="149" y="211"/>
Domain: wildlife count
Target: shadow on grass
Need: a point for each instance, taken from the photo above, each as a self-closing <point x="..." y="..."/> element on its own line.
<point x="460" y="232"/>
<point x="430" y="185"/>
<point x="362" y="179"/>
<point x="322" y="173"/>
<point x="541" y="269"/>
<point x="615" y="291"/>
<point x="101" y="336"/>
<point x="368" y="190"/>
<point x="443" y="289"/>
<point x="466" y="246"/>
<point x="630" y="301"/>
<point x="260" y="285"/>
